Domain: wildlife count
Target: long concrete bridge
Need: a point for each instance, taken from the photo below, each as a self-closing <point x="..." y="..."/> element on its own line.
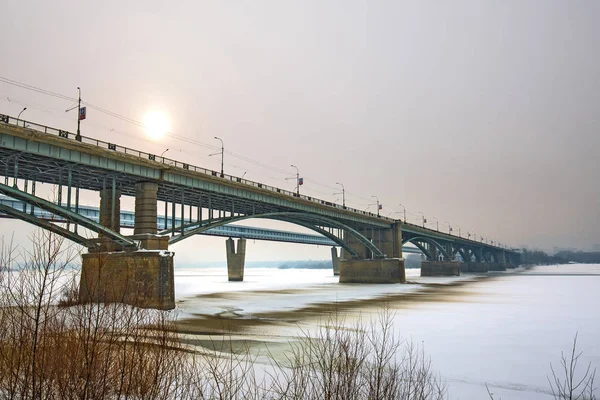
<point x="138" y="268"/>
<point x="127" y="219"/>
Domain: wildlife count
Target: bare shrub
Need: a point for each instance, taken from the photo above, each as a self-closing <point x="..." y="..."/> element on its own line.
<point x="566" y="384"/>
<point x="53" y="348"/>
<point x="360" y="361"/>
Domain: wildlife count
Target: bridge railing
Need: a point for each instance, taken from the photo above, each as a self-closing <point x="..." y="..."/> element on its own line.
<point x="173" y="163"/>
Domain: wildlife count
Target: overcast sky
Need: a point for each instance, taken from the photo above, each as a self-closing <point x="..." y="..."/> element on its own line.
<point x="485" y="114"/>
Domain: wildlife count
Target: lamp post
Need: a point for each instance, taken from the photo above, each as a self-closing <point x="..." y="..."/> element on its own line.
<point x="423" y="218"/>
<point x="403" y="211"/>
<point x="459" y="234"/>
<point x="19" y="116"/>
<point x="244" y="174"/>
<point x="378" y="206"/>
<point x="222" y="152"/>
<point x="79" y="115"/>
<point x="163" y="153"/>
<point x="343" y="193"/>
<point x="437" y="224"/>
<point x="297" y="179"/>
<point x="449" y="227"/>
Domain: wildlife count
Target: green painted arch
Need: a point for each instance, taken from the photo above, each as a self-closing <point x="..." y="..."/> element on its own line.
<point x="303" y="219"/>
<point x="68" y="215"/>
<point x="415" y="239"/>
<point x="423" y="249"/>
<point x="58" y="230"/>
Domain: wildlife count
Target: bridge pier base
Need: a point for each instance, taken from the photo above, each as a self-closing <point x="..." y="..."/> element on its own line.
<point x="440" y="268"/>
<point x="235" y="260"/>
<point x="335" y="261"/>
<point x="384" y="270"/>
<point x="139" y="278"/>
<point x="496" y="267"/>
<point x="477" y="267"/>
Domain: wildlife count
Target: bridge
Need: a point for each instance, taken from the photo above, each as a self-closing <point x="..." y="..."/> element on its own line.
<point x="127" y="220"/>
<point x="138" y="268"/>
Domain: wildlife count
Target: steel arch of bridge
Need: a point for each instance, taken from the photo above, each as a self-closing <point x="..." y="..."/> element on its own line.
<point x="418" y="240"/>
<point x="306" y="220"/>
<point x="47" y="225"/>
<point x="68" y="215"/>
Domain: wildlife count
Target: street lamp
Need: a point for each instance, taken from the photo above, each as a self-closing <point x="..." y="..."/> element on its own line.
<point x="297" y="179"/>
<point x="19" y="116"/>
<point x="244" y="174"/>
<point x="222" y="152"/>
<point x="404" y="212"/>
<point x="161" y="154"/>
<point x="424" y="219"/>
<point x="378" y="205"/>
<point x="437" y="224"/>
<point x="343" y="193"/>
<point x="79" y="115"/>
<point x="458" y="231"/>
<point x="449" y="228"/>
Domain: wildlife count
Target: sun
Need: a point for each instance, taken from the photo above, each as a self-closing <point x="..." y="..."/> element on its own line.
<point x="156" y="124"/>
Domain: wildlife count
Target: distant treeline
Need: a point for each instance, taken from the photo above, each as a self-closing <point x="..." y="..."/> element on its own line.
<point x="562" y="257"/>
<point x="586" y="257"/>
<point x="309" y="264"/>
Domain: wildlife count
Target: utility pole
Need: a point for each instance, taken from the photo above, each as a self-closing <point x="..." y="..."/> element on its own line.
<point x="404" y="211"/>
<point x="222" y="152"/>
<point x="378" y="205"/>
<point x="343" y="194"/>
<point x="297" y="180"/>
<point x="81" y="114"/>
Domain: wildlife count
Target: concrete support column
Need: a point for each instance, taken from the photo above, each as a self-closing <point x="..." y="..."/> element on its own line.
<point x="478" y="254"/>
<point x="433" y="253"/>
<point x="110" y="210"/>
<point x="235" y="260"/>
<point x="355" y="245"/>
<point x="335" y="260"/>
<point x="450" y="251"/>
<point x="145" y="208"/>
<point x="391" y="241"/>
<point x="110" y="216"/>
<point x="501" y="257"/>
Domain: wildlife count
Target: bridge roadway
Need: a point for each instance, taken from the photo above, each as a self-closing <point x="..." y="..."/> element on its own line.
<point x="30" y="153"/>
<point x="235" y="231"/>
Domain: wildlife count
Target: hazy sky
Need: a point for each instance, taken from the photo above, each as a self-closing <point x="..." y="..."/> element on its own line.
<point x="485" y="114"/>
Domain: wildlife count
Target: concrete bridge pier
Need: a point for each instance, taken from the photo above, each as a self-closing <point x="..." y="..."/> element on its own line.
<point x="440" y="268"/>
<point x="475" y="267"/>
<point x="236" y="260"/>
<point x="142" y="277"/>
<point x="366" y="269"/>
<point x="110" y="215"/>
<point x="335" y="261"/>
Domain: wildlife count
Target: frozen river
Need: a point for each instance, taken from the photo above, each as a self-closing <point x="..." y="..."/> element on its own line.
<point x="503" y="330"/>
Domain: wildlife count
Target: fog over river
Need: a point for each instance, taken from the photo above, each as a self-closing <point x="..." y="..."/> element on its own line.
<point x="503" y="329"/>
